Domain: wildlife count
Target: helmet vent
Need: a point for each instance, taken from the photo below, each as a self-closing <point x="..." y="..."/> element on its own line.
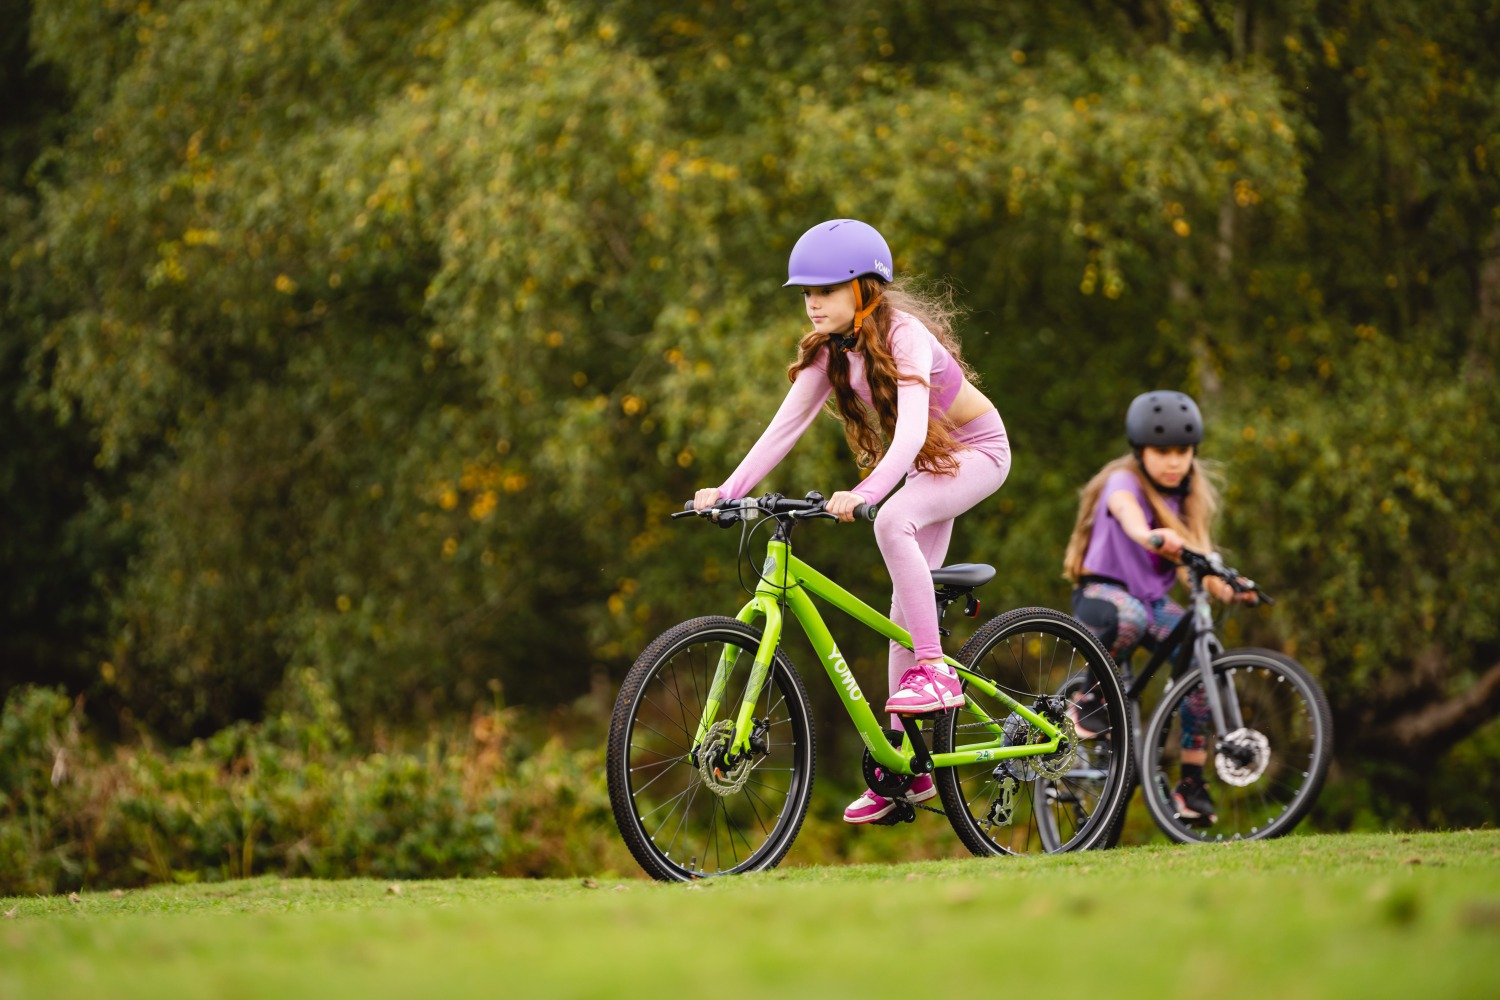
<point x="1160" y="429"/>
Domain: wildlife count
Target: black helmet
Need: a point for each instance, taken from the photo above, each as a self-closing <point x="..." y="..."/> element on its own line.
<point x="1163" y="419"/>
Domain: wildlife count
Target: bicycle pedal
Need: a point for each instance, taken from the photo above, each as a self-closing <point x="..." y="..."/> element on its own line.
<point x="904" y="812"/>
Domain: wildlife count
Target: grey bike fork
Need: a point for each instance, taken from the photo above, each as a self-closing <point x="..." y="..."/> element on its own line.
<point x="1222" y="701"/>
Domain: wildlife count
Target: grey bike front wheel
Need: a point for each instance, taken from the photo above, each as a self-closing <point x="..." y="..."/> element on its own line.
<point x="1038" y="657"/>
<point x="686" y="814"/>
<point x="1286" y="744"/>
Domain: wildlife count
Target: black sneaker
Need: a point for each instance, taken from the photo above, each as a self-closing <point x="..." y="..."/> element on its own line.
<point x="1193" y="803"/>
<point x="1089" y="714"/>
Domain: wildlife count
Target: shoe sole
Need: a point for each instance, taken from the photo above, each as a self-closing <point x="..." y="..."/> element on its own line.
<point x="931" y="706"/>
<point x="871" y="817"/>
<point x="931" y="793"/>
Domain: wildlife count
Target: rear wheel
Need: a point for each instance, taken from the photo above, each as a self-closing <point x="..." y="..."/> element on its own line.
<point x="1065" y="805"/>
<point x="1039" y="657"/>
<point x="687" y="811"/>
<point x="1262" y="778"/>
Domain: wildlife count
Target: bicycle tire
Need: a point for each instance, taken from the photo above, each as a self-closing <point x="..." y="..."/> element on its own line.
<point x="1278" y="699"/>
<point x="1048" y="790"/>
<point x="675" y="824"/>
<point x="1030" y="653"/>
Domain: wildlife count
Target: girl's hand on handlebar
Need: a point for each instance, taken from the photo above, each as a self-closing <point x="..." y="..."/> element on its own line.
<point x="1166" y="542"/>
<point x="842" y="504"/>
<point x="705" y="498"/>
<point x="1224" y="592"/>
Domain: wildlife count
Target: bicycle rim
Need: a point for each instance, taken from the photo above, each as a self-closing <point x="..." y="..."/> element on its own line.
<point x="1280" y="702"/>
<point x="1031" y="654"/>
<point x="675" y="823"/>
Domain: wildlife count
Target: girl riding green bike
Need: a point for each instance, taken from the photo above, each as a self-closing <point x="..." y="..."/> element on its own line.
<point x="888" y="357"/>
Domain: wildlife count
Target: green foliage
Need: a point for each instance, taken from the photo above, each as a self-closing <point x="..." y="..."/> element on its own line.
<point x="291" y="796"/>
<point x="382" y="338"/>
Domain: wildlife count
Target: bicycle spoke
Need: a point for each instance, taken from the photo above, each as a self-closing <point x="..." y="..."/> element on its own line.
<point x="743" y="814"/>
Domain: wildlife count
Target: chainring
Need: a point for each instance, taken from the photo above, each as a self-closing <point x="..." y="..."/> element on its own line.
<point x="722" y="777"/>
<point x="1231" y="771"/>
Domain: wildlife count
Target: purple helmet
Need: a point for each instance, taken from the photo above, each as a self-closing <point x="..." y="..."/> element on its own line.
<point x="837" y="251"/>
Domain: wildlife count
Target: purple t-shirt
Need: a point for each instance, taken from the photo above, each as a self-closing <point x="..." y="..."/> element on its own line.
<point x="1112" y="553"/>
<point x="917" y="352"/>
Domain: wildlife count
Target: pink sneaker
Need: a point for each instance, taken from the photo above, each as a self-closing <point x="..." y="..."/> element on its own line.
<point x="869" y="807"/>
<point x="926" y="688"/>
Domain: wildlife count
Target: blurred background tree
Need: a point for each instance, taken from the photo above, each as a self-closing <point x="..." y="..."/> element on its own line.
<point x="379" y="340"/>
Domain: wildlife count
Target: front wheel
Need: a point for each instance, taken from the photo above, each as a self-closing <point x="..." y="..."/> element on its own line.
<point x="1049" y="662"/>
<point x="689" y="809"/>
<point x="1263" y="777"/>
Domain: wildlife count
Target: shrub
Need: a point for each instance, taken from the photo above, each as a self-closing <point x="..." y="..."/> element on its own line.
<point x="290" y="796"/>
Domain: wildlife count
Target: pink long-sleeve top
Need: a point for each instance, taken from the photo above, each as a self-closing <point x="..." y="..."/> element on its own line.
<point x="917" y="352"/>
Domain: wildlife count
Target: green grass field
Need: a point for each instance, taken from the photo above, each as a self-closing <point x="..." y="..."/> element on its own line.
<point x="1389" y="915"/>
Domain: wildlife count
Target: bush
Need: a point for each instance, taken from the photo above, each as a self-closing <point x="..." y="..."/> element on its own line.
<point x="289" y="796"/>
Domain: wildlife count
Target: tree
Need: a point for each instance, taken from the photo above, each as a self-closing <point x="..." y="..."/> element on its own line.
<point x="398" y="331"/>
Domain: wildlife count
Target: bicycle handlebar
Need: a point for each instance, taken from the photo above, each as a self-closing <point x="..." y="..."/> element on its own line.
<point x="727" y="512"/>
<point x="1211" y="565"/>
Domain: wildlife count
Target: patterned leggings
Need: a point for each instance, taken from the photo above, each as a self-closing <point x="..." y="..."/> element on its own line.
<point x="1121" y="621"/>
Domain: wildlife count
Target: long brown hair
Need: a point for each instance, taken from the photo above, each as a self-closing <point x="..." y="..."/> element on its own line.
<point x="1198" y="509"/>
<point x="936" y="311"/>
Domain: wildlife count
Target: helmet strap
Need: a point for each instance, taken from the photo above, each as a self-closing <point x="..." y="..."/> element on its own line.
<point x="861" y="311"/>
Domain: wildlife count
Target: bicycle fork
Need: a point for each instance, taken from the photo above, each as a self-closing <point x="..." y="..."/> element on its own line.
<point x="1223" y="701"/>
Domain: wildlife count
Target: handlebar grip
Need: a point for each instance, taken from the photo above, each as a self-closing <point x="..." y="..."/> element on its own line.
<point x="690" y="506"/>
<point x="866" y="511"/>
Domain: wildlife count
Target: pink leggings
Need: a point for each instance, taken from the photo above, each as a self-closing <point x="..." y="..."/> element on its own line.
<point x="915" y="524"/>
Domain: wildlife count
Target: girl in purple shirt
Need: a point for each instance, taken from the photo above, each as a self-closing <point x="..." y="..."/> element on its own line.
<point x="890" y="362"/>
<point x="1135" y="516"/>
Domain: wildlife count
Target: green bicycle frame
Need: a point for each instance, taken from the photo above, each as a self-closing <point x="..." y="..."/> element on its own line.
<point x="787" y="580"/>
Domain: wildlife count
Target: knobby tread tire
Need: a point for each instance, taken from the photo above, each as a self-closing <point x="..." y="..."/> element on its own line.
<point x="1307" y="795"/>
<point x="617" y="757"/>
<point x="1109" y="816"/>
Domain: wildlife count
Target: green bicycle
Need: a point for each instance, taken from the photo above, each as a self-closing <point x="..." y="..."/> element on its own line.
<point x="710" y="756"/>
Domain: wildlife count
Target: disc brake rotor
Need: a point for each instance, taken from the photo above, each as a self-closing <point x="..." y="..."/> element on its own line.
<point x="1255" y="750"/>
<point x="1018" y="732"/>
<point x="722" y="777"/>
<point x="1056" y="765"/>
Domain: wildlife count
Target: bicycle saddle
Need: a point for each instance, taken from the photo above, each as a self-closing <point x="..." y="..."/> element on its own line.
<point x="964" y="575"/>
